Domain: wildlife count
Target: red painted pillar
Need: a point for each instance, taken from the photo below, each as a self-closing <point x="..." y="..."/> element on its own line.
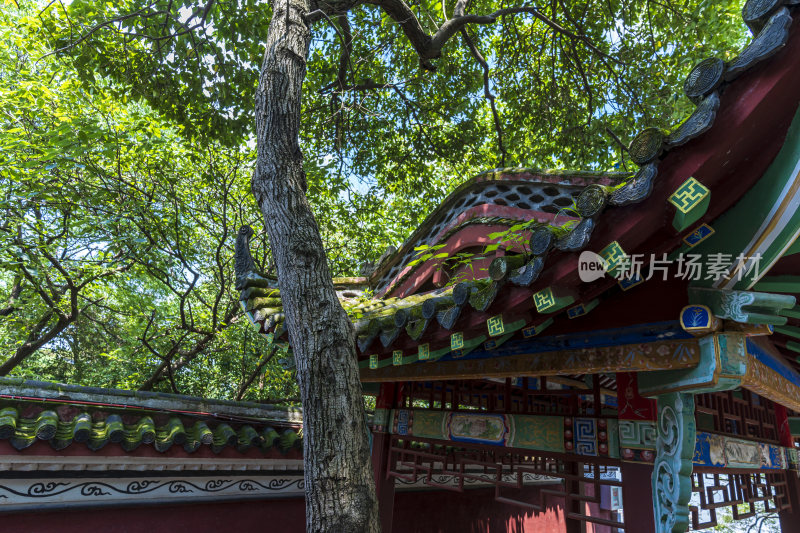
<point x="637" y="486"/>
<point x="637" y="496"/>
<point x="790" y="519"/>
<point x="381" y="437"/>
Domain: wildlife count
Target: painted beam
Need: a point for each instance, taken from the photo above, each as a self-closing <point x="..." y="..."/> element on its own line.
<point x="638" y="357"/>
<point x="710" y="449"/>
<point x="791" y="331"/>
<point x="772" y="205"/>
<point x="769" y="376"/>
<point x="636" y="334"/>
<point x="794" y="312"/>
<point x="790" y="284"/>
<point x="749" y="307"/>
<point x="793" y="249"/>
<point x="586" y="436"/>
<point x="723" y="358"/>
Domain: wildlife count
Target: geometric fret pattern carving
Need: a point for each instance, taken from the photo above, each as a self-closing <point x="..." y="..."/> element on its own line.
<point x="746" y="494"/>
<point x="738" y="413"/>
<point x="525" y="396"/>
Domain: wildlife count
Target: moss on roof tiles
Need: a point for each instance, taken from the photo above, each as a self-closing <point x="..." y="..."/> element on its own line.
<point x="46" y="426"/>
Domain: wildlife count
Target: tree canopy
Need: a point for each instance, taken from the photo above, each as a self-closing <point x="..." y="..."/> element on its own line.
<point x="128" y="146"/>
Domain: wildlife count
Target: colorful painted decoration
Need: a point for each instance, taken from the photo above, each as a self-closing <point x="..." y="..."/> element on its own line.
<point x="631" y="404"/>
<point x="495" y="326"/>
<point x="582" y="309"/>
<point x="662" y="355"/>
<point x="483" y="429"/>
<point x="689" y="195"/>
<point x="743" y="306"/>
<point x="672" y="483"/>
<point x="699" y="320"/>
<point x="729" y="452"/>
<point x="613" y="255"/>
<point x="424" y="351"/>
<point x="373" y="361"/>
<point x="397" y="357"/>
<point x="691" y="201"/>
<point x="535" y="432"/>
<point x="585" y="436"/>
<point x="457" y="341"/>
<point x="637" y="434"/>
<point x="402" y="421"/>
<point x="544" y="299"/>
<point x="532" y="331"/>
<point x="700" y="233"/>
<point x="547" y="301"/>
<point x="629" y="282"/>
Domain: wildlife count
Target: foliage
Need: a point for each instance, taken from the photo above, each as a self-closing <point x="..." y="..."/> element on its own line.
<point x="127" y="146"/>
<point x="116" y="238"/>
<point x="388" y="136"/>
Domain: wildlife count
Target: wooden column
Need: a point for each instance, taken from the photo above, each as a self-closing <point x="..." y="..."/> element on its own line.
<point x="637" y="496"/>
<point x="637" y="484"/>
<point x="574" y="506"/>
<point x="384" y="485"/>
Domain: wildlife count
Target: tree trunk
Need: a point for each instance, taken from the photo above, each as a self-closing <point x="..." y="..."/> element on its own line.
<point x="340" y="492"/>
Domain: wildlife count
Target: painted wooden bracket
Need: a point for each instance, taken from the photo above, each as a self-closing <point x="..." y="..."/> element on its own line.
<point x="723" y="363"/>
<point x="691" y="201"/>
<point x="743" y="306"/>
<point x="699" y="320"/>
<point x="550" y="300"/>
<point x="614" y="258"/>
<point x="698" y="235"/>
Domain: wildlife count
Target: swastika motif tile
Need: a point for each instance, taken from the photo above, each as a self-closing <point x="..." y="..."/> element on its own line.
<point x="495" y="326"/>
<point x="456" y="341"/>
<point x="397" y="357"/>
<point x="544" y="299"/>
<point x="688" y="195"/>
<point x="373" y="361"/>
<point x="424" y="351"/>
<point x="613" y="254"/>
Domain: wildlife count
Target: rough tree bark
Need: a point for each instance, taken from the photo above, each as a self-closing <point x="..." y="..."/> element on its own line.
<point x="340" y="492"/>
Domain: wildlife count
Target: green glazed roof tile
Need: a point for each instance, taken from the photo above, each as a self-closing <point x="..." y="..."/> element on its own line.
<point x="46" y="426"/>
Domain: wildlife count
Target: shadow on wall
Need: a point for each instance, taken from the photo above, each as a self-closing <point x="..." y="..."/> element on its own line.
<point x="476" y="511"/>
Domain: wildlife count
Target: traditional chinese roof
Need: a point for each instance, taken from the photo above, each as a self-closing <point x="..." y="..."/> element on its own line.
<point x="69" y="415"/>
<point x="744" y="110"/>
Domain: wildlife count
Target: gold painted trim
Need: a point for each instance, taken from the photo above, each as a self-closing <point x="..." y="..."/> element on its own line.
<point x="663" y="355"/>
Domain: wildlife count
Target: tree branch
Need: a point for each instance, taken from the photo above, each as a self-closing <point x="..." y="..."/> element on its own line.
<point x="487" y="93"/>
<point x="264" y="360"/>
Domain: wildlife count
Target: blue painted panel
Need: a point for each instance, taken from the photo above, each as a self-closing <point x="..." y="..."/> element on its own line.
<point x="772" y="362"/>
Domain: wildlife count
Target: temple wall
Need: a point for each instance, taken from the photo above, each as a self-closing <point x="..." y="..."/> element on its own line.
<point x="474" y="511"/>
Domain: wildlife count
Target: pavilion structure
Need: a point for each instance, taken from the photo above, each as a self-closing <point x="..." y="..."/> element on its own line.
<point x="667" y="356"/>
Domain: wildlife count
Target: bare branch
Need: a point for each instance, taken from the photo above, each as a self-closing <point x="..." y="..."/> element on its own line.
<point x="487" y="93"/>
